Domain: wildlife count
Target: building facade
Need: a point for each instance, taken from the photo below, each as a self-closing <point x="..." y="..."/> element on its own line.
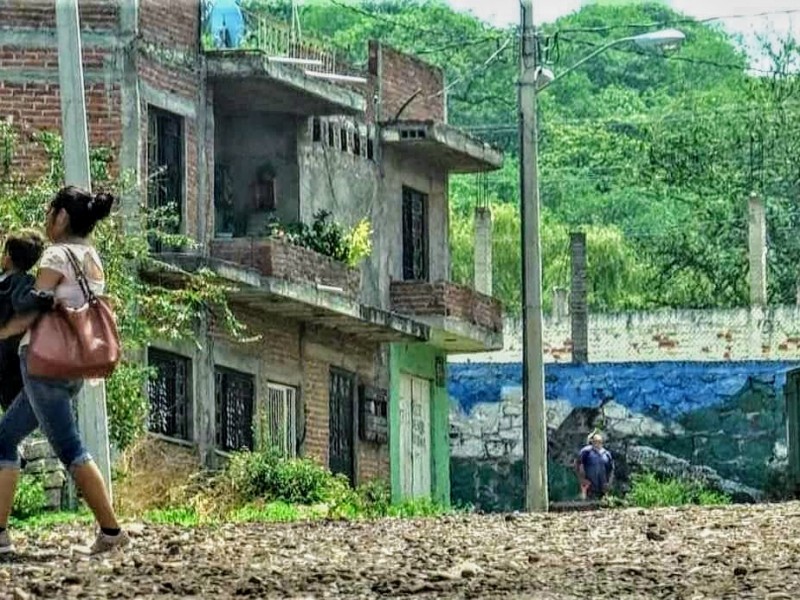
<point x="348" y="365"/>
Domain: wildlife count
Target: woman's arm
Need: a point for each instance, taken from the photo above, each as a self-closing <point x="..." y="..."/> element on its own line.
<point x="46" y="281"/>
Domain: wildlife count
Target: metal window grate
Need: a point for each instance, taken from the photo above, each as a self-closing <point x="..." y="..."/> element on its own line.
<point x="235" y="393"/>
<point x="341" y="425"/>
<point x="415" y="235"/>
<point x="280" y="420"/>
<point x="165" y="166"/>
<point x="168" y="391"/>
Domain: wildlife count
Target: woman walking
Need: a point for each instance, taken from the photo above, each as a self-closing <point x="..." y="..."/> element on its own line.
<point x="46" y="402"/>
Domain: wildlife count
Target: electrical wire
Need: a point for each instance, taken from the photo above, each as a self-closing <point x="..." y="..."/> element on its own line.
<point x="683" y="21"/>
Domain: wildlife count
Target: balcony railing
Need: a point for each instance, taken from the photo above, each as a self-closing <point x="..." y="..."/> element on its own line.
<point x="280" y="43"/>
<point x="455" y="308"/>
<point x="281" y="260"/>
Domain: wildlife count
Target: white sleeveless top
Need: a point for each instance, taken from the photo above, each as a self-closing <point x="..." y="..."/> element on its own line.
<point x="68" y="291"/>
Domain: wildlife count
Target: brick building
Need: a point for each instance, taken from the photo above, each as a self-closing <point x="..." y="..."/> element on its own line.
<point x="350" y="365"/>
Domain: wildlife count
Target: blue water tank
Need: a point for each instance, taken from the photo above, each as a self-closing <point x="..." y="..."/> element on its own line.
<point x="226" y="23"/>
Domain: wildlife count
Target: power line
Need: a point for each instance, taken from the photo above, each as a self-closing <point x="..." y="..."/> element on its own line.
<point x="678" y="58"/>
<point x="683" y="21"/>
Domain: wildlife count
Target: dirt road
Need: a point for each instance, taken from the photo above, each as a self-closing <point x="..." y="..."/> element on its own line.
<point x="736" y="552"/>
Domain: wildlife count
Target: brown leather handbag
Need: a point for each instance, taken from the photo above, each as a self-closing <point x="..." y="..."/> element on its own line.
<point x="75" y="343"/>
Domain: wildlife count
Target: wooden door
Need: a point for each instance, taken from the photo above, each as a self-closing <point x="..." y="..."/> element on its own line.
<point x="415" y="437"/>
<point x="341" y="425"/>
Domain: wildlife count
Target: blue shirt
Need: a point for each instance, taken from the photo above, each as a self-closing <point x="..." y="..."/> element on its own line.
<point x="598" y="465"/>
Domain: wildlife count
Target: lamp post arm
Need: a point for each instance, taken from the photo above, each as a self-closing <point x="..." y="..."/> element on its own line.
<point x="584" y="60"/>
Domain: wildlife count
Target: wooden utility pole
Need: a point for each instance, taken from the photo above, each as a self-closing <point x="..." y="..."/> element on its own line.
<point x="534" y="415"/>
<point x="91" y="409"/>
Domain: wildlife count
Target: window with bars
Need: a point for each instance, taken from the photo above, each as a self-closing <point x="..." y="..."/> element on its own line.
<point x="279" y="426"/>
<point x="165" y="169"/>
<point x="169" y="394"/>
<point x="415" y="235"/>
<point x="235" y="394"/>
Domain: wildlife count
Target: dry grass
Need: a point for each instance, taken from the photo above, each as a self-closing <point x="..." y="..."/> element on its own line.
<point x="153" y="474"/>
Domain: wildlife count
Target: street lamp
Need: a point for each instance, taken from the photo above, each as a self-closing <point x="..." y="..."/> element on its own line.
<point x="664" y="40"/>
<point x="533" y="79"/>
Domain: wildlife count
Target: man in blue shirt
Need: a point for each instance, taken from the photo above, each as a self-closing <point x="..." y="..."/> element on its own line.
<point x="595" y="468"/>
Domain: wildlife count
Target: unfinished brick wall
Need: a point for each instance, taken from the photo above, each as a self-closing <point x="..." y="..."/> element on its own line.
<point x="401" y="76"/>
<point x="169" y="62"/>
<point x="41" y="14"/>
<point x="35" y="107"/>
<point x="292" y="354"/>
<point x="172" y="23"/>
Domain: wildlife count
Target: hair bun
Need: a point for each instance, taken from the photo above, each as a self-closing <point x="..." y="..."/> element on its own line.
<point x="100" y="205"/>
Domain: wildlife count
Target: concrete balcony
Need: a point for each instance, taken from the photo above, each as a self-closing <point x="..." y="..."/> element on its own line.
<point x="461" y="320"/>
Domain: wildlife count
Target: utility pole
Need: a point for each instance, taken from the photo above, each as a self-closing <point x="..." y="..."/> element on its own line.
<point x="91" y="409"/>
<point x="534" y="414"/>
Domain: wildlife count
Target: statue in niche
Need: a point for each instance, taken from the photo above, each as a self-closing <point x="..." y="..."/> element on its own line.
<point x="224" y="202"/>
<point x="263" y="201"/>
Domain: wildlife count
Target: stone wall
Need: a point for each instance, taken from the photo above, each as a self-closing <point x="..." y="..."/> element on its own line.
<point x="43" y="464"/>
<point x="666" y="335"/>
<point x="722" y="423"/>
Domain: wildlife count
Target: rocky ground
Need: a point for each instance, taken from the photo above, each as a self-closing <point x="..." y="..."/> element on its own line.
<point x="735" y="552"/>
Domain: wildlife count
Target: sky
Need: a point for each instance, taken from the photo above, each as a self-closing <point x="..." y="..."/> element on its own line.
<point x="505" y="12"/>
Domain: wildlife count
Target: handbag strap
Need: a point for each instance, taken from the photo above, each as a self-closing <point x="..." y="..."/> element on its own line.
<point x="83" y="282"/>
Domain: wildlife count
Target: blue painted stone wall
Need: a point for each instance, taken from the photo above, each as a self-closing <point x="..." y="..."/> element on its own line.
<point x="729" y="417"/>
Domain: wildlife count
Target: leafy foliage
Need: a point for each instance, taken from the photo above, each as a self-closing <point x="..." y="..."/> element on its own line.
<point x="30" y="499"/>
<point x="327" y="237"/>
<point x="648" y="491"/>
<point x="145" y="310"/>
<point x="657" y="154"/>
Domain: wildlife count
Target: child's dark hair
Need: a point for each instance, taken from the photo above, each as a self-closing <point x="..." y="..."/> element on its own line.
<point x="84" y="209"/>
<point x="24" y="249"/>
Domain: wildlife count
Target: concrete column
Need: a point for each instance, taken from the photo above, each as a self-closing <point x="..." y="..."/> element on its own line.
<point x="205" y="397"/>
<point x="92" y="417"/>
<point x="560" y="303"/>
<point x="578" y="304"/>
<point x="757" y="237"/>
<point x="483" y="250"/>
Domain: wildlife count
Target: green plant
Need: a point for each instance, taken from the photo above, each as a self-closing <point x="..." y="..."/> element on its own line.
<point x="30" y="499"/>
<point x="145" y="309"/>
<point x="358" y="242"/>
<point x="649" y="490"/>
<point x="327" y="237"/>
<point x="184" y="516"/>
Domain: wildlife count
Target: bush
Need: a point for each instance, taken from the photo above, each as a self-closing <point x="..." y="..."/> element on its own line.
<point x="648" y="490"/>
<point x="266" y="487"/>
<point x="30" y="499"/>
<point x="266" y="476"/>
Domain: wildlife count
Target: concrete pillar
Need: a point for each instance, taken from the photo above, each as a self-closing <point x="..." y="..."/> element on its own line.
<point x="757" y="237"/>
<point x="578" y="303"/>
<point x="92" y="419"/>
<point x="483" y="250"/>
<point x="560" y="303"/>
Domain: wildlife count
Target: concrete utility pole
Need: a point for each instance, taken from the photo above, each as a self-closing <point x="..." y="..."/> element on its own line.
<point x="757" y="237"/>
<point x="534" y="414"/>
<point x="91" y="409"/>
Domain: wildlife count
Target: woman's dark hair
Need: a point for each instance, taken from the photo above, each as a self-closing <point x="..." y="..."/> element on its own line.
<point x="84" y="209"/>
